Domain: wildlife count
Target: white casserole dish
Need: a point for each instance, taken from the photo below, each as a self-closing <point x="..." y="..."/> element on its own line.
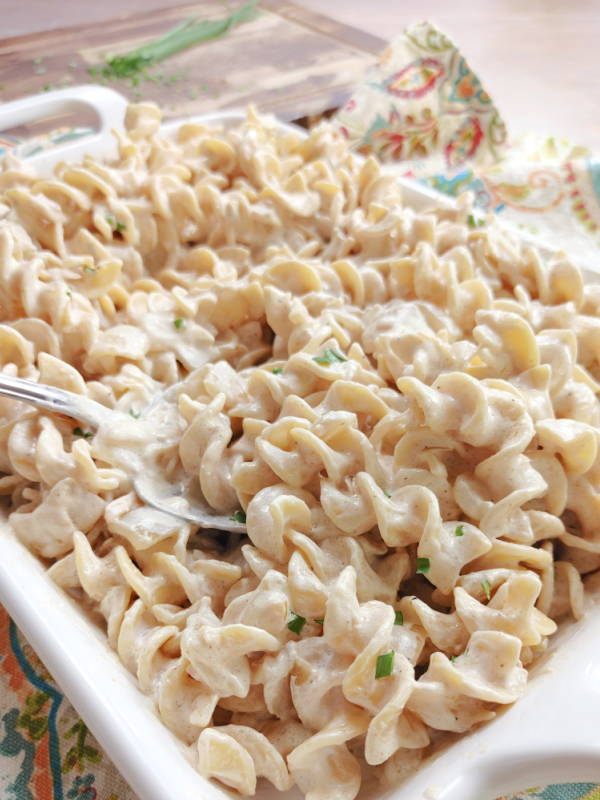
<point x="550" y="736"/>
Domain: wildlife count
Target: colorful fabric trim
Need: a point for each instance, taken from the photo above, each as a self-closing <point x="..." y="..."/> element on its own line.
<point x="23" y="149"/>
<point x="46" y="750"/>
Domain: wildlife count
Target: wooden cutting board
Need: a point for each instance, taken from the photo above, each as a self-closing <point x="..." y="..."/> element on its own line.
<point x="288" y="60"/>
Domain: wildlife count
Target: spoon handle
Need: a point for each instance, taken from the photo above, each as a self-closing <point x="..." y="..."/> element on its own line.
<point x="51" y="399"/>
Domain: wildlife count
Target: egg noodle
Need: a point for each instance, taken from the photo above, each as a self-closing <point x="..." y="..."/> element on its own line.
<point x="402" y="405"/>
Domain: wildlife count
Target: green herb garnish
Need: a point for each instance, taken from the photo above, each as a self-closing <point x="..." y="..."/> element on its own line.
<point x="460" y="531"/>
<point x="133" y="414"/>
<point x="277" y="371"/>
<point x="121" y="227"/>
<point x="320" y="621"/>
<point x="385" y="665"/>
<point x="69" y="295"/>
<point x="387" y="494"/>
<point x="79" y="432"/>
<point x="296" y="624"/>
<point x="330" y="357"/>
<point x="179" y="323"/>
<point x="186" y="34"/>
<point x="453" y="658"/>
<point x="91" y="270"/>
<point x="399" y="618"/>
<point x="239" y="516"/>
<point x="422" y="566"/>
<point x="475" y="222"/>
<point x="485" y="585"/>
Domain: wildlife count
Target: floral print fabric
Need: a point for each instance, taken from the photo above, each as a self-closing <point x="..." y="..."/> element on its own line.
<point x="46" y="750"/>
<point x="423" y="108"/>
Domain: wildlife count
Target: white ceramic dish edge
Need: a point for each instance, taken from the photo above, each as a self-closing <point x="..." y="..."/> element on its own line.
<point x="550" y="736"/>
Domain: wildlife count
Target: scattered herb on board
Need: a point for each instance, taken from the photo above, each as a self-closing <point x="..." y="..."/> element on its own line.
<point x="188" y="33"/>
<point x="296" y="624"/>
<point x="79" y="432"/>
<point x="239" y="516"/>
<point x="330" y="357"/>
<point x="179" y="323"/>
<point x="460" y="530"/>
<point x="422" y="566"/>
<point x="399" y="618"/>
<point x="485" y="585"/>
<point x="385" y="665"/>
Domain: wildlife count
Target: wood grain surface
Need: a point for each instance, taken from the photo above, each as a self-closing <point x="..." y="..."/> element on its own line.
<point x="288" y="60"/>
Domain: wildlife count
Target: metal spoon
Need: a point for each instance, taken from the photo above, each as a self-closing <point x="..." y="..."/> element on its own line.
<point x="158" y="494"/>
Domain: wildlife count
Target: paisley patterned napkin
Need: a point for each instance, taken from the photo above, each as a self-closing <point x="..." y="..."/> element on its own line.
<point x="423" y="108"/>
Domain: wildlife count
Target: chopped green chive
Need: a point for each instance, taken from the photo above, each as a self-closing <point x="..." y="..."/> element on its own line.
<point x="37" y="60"/>
<point x="475" y="222"/>
<point x="179" y="323"/>
<point x="399" y="618"/>
<point x="459" y="531"/>
<point x="453" y="659"/>
<point x="330" y="357"/>
<point x="385" y="665"/>
<point x="319" y="621"/>
<point x="422" y="566"/>
<point x="119" y="227"/>
<point x="182" y="36"/>
<point x="69" y="295"/>
<point x="239" y="516"/>
<point x="485" y="585"/>
<point x="387" y="494"/>
<point x="79" y="432"/>
<point x="277" y="371"/>
<point x="296" y="624"/>
<point x="133" y="414"/>
<point x="91" y="270"/>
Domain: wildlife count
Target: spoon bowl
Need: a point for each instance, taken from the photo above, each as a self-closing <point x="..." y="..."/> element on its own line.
<point x="180" y="498"/>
